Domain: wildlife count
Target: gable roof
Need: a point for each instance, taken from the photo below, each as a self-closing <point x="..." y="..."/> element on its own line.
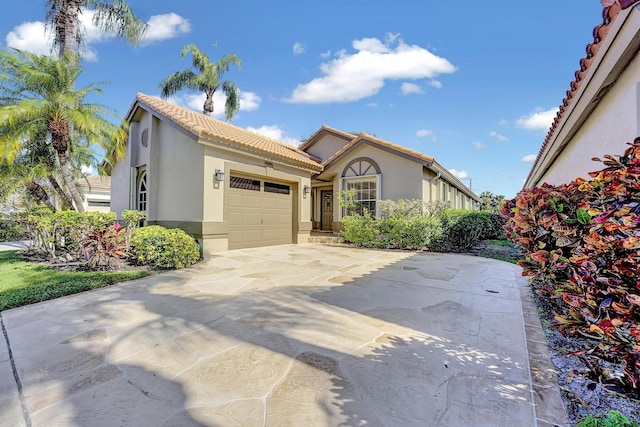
<point x="365" y="138"/>
<point x="210" y="129"/>
<point x="325" y="130"/>
<point x="609" y="15"/>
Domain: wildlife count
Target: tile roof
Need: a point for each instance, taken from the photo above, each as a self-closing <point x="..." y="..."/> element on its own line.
<point x="365" y="137"/>
<point x="324" y="130"/>
<point x="609" y="15"/>
<point x="203" y="126"/>
<point x="95" y="183"/>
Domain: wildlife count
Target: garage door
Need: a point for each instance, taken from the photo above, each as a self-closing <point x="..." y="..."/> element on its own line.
<point x="259" y="213"/>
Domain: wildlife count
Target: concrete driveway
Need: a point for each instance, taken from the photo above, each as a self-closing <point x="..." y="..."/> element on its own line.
<point x="296" y="335"/>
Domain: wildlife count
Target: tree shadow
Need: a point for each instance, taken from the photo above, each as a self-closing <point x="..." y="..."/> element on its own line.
<point x="401" y="342"/>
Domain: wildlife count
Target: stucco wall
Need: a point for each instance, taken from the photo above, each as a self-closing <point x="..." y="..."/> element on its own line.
<point x="327" y="146"/>
<point x="613" y="123"/>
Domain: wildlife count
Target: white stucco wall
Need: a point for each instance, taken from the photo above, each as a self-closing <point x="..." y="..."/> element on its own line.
<point x="610" y="126"/>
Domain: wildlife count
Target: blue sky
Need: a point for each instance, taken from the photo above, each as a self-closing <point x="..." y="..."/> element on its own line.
<point x="474" y="84"/>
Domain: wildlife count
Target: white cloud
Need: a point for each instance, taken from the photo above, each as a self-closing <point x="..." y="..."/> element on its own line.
<point x="87" y="170"/>
<point x="372" y="105"/>
<point x="538" y="120"/>
<point x="249" y="101"/>
<point x="274" y="132"/>
<point x="165" y="27"/>
<point x="502" y="122"/>
<point x="478" y="145"/>
<point x="409" y="88"/>
<point x="325" y="54"/>
<point x="33" y="37"/>
<point x="30" y="37"/>
<point x="426" y="133"/>
<point x="436" y="84"/>
<point x="459" y="174"/>
<point x="498" y="136"/>
<point x="299" y="48"/>
<point x="353" y="76"/>
<point x="529" y="158"/>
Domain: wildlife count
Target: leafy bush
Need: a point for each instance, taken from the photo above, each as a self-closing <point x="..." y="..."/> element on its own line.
<point x="406" y="224"/>
<point x="613" y="419"/>
<point x="582" y="241"/>
<point x="101" y="247"/>
<point x="10" y="230"/>
<point x="361" y="230"/>
<point x="461" y="230"/>
<point x="163" y="248"/>
<point x="495" y="229"/>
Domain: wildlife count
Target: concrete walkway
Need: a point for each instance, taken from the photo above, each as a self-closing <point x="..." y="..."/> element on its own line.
<point x="296" y="335"/>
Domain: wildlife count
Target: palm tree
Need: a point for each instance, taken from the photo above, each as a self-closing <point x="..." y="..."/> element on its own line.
<point x="27" y="179"/>
<point x="36" y="94"/>
<point x="113" y="17"/>
<point x="207" y="80"/>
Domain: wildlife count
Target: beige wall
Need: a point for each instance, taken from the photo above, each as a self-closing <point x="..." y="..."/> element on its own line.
<point x="607" y="130"/>
<point x="586" y="131"/>
<point x="327" y="146"/>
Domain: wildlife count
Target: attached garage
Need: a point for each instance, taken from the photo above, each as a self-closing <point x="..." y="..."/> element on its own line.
<point x="259" y="212"/>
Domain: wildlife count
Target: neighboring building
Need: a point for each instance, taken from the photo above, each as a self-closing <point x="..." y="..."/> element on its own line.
<point x="232" y="188"/>
<point x="601" y="112"/>
<point x="96" y="192"/>
<point x="229" y="187"/>
<point x="377" y="170"/>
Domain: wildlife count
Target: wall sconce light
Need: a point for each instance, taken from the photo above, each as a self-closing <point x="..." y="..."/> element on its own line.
<point x="306" y="190"/>
<point x="219" y="175"/>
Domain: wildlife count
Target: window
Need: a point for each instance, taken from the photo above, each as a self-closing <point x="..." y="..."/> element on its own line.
<point x="244" y="183"/>
<point x="272" y="187"/>
<point x="365" y="195"/>
<point x="98" y="204"/>
<point x="142" y="192"/>
<point x="445" y="192"/>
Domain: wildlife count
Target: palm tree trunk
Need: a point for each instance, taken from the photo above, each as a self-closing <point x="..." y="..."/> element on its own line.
<point x="64" y="196"/>
<point x="67" y="27"/>
<point x="208" y="103"/>
<point x="38" y="192"/>
<point x="68" y="181"/>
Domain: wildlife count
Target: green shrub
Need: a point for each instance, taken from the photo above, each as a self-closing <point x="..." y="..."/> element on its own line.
<point x="10" y="230"/>
<point x="495" y="227"/>
<point x="361" y="230"/>
<point x="613" y="419"/>
<point x="415" y="232"/>
<point x="163" y="248"/>
<point x="461" y="230"/>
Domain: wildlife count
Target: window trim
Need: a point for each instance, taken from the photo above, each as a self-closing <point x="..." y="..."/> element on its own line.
<point x="378" y="181"/>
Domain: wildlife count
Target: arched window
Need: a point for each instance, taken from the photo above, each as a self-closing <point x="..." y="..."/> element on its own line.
<point x="361" y="179"/>
<point x="141" y="191"/>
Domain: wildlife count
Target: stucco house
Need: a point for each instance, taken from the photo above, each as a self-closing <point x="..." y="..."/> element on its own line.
<point x="377" y="170"/>
<point x="601" y="112"/>
<point x="96" y="192"/>
<point x="232" y="188"/>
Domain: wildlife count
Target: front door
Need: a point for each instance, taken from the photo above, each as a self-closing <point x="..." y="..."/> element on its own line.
<point x="327" y="210"/>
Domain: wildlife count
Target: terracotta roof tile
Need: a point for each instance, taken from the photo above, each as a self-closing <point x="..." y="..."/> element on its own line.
<point x="204" y="126"/>
<point x="609" y="14"/>
<point x="380" y="143"/>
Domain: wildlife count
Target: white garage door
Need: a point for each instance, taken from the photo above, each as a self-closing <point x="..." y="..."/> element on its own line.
<point x="259" y="213"/>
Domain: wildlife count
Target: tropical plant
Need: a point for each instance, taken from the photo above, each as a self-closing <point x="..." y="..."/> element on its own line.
<point x="113" y="17"/>
<point x="38" y="94"/>
<point x="582" y="242"/>
<point x="491" y="202"/>
<point x="101" y="247"/>
<point x="164" y="248"/>
<point x="207" y="80"/>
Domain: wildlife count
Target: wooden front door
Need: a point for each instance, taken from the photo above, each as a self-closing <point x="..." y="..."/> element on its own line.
<point x="326" y="209"/>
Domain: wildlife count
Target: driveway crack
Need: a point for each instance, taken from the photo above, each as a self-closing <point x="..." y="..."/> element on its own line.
<point x="16" y="377"/>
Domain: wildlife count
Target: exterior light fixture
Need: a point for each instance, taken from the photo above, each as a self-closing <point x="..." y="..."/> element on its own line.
<point x="219" y="175"/>
<point x="306" y="190"/>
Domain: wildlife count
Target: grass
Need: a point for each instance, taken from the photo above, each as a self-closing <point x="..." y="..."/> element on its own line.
<point x="502" y="250"/>
<point x="23" y="283"/>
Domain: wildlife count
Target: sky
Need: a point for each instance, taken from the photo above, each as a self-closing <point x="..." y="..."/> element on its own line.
<point x="476" y="84"/>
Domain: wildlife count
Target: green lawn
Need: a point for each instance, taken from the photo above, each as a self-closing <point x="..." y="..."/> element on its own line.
<point x="23" y="283"/>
